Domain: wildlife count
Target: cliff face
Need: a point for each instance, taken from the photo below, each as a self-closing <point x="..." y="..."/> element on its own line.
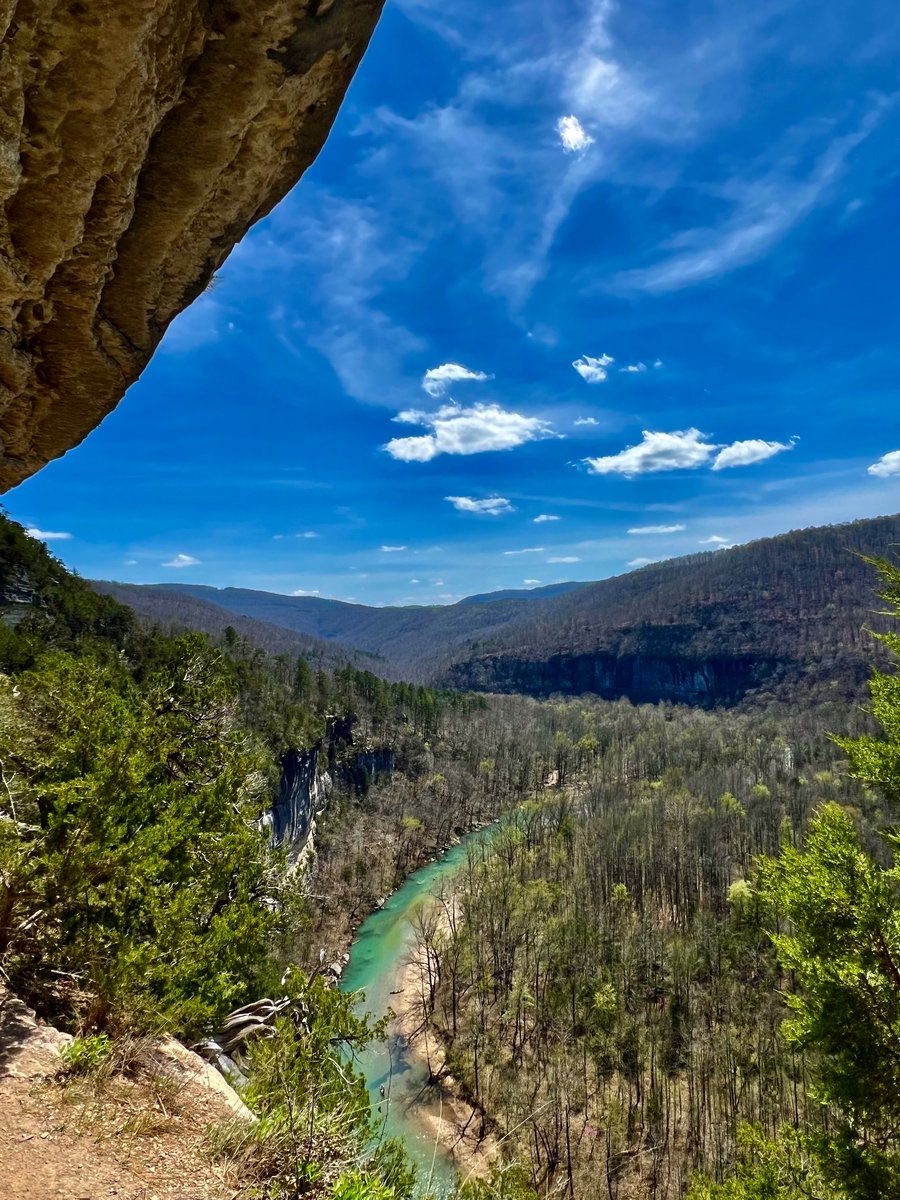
<point x="642" y="679"/>
<point x="139" y="140"/>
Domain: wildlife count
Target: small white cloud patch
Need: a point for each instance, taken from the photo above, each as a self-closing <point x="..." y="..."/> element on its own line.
<point x="572" y="135"/>
<point x="528" y="550"/>
<point x="303" y="592"/>
<point x="392" y="549"/>
<point x="531" y="582"/>
<point x="715" y="540"/>
<point x="637" y="368"/>
<point x="564" y="558"/>
<point x="640" y="562"/>
<point x="493" y="506"/>
<point x="456" y="430"/>
<point x="437" y="380"/>
<point x="887" y="465"/>
<point x="657" y="529"/>
<point x="542" y="517"/>
<point x="744" y="454"/>
<point x="683" y="449"/>
<point x="586" y="421"/>
<point x="182" y="560"/>
<point x="308" y="534"/>
<point x="593" y="370"/>
<point x="47" y="535"/>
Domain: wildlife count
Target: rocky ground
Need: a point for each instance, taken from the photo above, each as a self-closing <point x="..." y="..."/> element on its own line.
<point x="140" y="1136"/>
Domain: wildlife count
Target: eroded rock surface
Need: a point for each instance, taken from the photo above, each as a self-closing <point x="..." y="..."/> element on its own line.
<point x="139" y="140"/>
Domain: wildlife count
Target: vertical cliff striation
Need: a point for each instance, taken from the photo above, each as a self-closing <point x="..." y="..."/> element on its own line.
<point x="139" y="140"/>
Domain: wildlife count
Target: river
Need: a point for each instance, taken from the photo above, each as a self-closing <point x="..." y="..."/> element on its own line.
<point x="377" y="958"/>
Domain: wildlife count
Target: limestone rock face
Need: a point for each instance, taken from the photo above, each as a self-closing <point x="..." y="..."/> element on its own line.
<point x="139" y="140"/>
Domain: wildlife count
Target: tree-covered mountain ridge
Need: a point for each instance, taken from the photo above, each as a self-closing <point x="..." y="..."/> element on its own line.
<point x="770" y="616"/>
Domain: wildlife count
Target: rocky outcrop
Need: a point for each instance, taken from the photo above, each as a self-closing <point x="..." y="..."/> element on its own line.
<point x="358" y="773"/>
<point x="643" y="679"/>
<point x="302" y="794"/>
<point x="139" y="140"/>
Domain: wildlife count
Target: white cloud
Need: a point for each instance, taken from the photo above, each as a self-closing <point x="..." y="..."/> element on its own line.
<point x="531" y="582"/>
<point x="586" y="421"/>
<point x="637" y="368"/>
<point x="181" y="560"/>
<point x="640" y="562"/>
<point x="593" y="370"/>
<point x="456" y="430"/>
<point x="529" y="550"/>
<point x="679" y="450"/>
<point x="415" y="581"/>
<point x="45" y="535"/>
<point x="887" y="465"/>
<point x="303" y="592"/>
<point x="659" y="363"/>
<point x="565" y="558"/>
<point x="493" y="506"/>
<point x="572" y="134"/>
<point x="437" y="380"/>
<point x="743" y="454"/>
<point x="308" y="534"/>
<point x="715" y="540"/>
<point x="392" y="549"/>
<point x="657" y="529"/>
<point x="130" y="562"/>
<point x="542" y="517"/>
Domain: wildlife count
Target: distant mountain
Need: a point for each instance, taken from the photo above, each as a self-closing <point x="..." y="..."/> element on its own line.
<point x="174" y="610"/>
<point x="776" y="614"/>
<point x="413" y="643"/>
<point x="537" y="593"/>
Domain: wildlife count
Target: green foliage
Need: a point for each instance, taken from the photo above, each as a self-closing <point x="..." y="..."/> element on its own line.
<point x="506" y="1183"/>
<point x="129" y="862"/>
<point x="361" y="1186"/>
<point x="85" y="1055"/>
<point x="767" y="1169"/>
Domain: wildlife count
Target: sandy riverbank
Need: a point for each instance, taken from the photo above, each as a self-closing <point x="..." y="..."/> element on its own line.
<point x="446" y="1115"/>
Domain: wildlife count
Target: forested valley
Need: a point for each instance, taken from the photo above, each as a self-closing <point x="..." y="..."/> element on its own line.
<point x="668" y="969"/>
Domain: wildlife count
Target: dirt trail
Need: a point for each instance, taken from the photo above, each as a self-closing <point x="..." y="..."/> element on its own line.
<point x="141" y="1139"/>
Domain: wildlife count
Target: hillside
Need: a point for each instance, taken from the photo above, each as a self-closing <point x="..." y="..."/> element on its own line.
<point x="176" y="611"/>
<point x="710" y="628"/>
<point x="779" y="612"/>
<point x="411" y="642"/>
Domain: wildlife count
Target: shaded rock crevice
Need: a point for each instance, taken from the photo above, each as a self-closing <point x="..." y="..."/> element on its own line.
<point x="139" y="140"/>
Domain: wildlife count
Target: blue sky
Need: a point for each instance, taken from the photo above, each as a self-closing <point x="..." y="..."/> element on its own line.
<point x="629" y="267"/>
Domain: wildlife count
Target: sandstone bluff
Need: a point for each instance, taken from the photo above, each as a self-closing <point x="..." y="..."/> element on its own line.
<point x="139" y="140"/>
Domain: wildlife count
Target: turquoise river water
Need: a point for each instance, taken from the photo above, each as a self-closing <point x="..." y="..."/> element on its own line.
<point x="377" y="957"/>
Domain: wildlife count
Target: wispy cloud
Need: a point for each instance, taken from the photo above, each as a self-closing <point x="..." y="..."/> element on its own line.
<point x="637" y="368"/>
<point x="564" y="558"/>
<point x="572" y="135"/>
<point x="437" y="380"/>
<point x="640" y="562"/>
<point x="657" y="529"/>
<point x="307" y="534"/>
<point x="46" y="535"/>
<point x="181" y="560"/>
<point x="456" y="430"/>
<point x="593" y="370"/>
<point x="714" y="539"/>
<point x="493" y="506"/>
<point x="744" y="454"/>
<point x="392" y="549"/>
<point x="887" y="465"/>
<point x="541" y="518"/>
<point x="528" y="550"/>
<point x="764" y="209"/>
<point x="679" y="450"/>
<point x="531" y="582"/>
<point x="304" y="592"/>
<point x="586" y="421"/>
